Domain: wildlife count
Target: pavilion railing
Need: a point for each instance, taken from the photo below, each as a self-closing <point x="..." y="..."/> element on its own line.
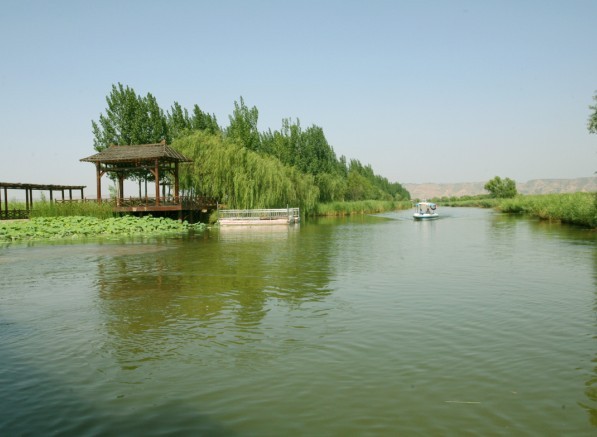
<point x="14" y="214"/>
<point x="126" y="202"/>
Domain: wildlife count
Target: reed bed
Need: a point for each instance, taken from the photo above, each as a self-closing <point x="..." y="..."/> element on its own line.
<point x="480" y="202"/>
<point x="43" y="208"/>
<point x="339" y="209"/>
<point x="573" y="208"/>
<point x="69" y="209"/>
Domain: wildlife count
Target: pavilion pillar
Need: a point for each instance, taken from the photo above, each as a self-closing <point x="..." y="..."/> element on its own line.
<point x="51" y="196"/>
<point x="0" y="204"/>
<point x="63" y="195"/>
<point x="157" y="183"/>
<point x="176" y="186"/>
<point x="6" y="199"/>
<point x="120" y="197"/>
<point x="98" y="177"/>
<point x="82" y="194"/>
<point x="70" y="194"/>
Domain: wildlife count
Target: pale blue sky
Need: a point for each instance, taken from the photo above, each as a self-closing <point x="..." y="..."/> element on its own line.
<point x="424" y="91"/>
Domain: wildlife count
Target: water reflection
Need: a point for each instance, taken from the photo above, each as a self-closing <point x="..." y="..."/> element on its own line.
<point x="216" y="292"/>
<point x="591" y="384"/>
<point x="507" y="234"/>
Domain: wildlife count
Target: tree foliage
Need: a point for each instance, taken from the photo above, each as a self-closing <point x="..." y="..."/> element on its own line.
<point x="129" y="119"/>
<point x="592" y="123"/>
<point x="243" y="126"/>
<point x="239" y="177"/>
<point x="238" y="164"/>
<point x="501" y="188"/>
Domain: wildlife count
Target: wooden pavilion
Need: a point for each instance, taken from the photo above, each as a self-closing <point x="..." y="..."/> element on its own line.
<point x="160" y="161"/>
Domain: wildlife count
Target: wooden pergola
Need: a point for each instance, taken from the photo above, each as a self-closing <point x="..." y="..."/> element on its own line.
<point x="29" y="189"/>
<point x="158" y="159"/>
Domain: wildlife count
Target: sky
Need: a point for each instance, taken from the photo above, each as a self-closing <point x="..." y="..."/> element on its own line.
<point x="422" y="90"/>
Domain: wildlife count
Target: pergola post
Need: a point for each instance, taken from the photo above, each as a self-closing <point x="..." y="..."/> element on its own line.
<point x="176" y="184"/>
<point x="157" y="182"/>
<point x="120" y="196"/>
<point x="6" y="199"/>
<point x="98" y="177"/>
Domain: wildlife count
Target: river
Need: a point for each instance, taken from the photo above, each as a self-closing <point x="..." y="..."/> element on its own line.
<point x="477" y="323"/>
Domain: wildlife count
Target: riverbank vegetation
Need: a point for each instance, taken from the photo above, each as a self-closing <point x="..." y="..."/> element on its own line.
<point x="239" y="165"/>
<point x="69" y="209"/>
<point x="78" y="227"/>
<point x="572" y="208"/>
<point x="338" y="209"/>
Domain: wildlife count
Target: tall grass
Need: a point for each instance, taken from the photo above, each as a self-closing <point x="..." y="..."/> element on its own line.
<point x="358" y="207"/>
<point x="574" y="208"/>
<point x="478" y="202"/>
<point x="86" y="209"/>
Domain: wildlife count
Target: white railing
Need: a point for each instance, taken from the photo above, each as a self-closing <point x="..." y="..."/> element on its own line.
<point x="258" y="216"/>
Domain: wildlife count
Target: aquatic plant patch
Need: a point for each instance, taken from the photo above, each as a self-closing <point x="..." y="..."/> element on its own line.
<point x="74" y="227"/>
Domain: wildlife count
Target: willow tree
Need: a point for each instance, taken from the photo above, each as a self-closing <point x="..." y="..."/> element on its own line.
<point x="239" y="177"/>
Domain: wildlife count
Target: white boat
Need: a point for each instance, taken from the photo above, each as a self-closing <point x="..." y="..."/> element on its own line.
<point x="425" y="211"/>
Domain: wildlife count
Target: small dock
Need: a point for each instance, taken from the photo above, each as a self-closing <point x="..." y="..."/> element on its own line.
<point x="258" y="217"/>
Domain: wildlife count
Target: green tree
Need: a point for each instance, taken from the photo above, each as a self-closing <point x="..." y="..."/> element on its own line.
<point x="204" y="121"/>
<point x="239" y="177"/>
<point x="243" y="126"/>
<point x="592" y="124"/>
<point x="178" y="121"/>
<point x="129" y="119"/>
<point x="501" y="188"/>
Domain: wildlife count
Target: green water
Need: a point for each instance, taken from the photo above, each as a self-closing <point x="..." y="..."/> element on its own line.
<point x="474" y="324"/>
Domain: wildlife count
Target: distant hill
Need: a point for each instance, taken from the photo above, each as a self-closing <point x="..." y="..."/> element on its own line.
<point x="534" y="186"/>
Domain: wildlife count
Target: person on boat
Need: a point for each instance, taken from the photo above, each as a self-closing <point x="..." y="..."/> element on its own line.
<point x="428" y="211"/>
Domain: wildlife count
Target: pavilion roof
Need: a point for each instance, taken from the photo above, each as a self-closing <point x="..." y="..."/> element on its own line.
<point x="136" y="153"/>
